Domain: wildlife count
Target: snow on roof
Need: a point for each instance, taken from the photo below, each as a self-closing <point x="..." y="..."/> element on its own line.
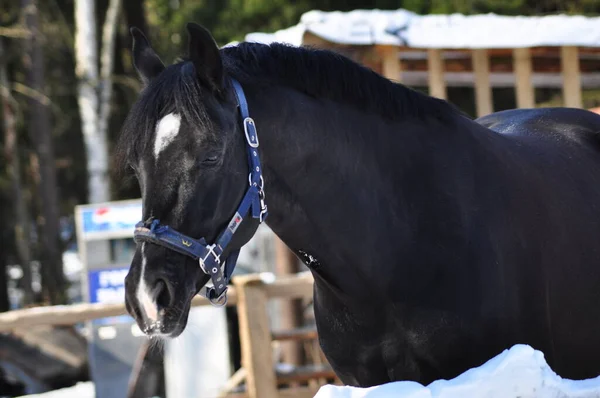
<point x="405" y="28"/>
<point x="520" y="372"/>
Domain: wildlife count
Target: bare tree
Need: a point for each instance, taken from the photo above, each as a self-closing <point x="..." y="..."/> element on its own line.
<point x="40" y="132"/>
<point x="13" y="169"/>
<point x="95" y="91"/>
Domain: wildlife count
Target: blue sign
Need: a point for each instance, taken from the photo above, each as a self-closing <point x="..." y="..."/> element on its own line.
<point x="111" y="218"/>
<point x="107" y="286"/>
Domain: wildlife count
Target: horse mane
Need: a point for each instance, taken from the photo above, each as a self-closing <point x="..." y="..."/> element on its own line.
<point x="315" y="72"/>
<point x="326" y="74"/>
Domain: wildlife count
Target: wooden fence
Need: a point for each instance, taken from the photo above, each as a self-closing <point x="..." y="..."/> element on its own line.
<point x="251" y="294"/>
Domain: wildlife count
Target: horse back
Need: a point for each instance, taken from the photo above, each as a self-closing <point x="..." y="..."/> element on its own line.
<point x="551" y="125"/>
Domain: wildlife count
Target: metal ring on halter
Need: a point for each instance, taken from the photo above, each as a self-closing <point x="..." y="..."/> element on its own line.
<point x="260" y="186"/>
<point x="201" y="263"/>
<point x="219" y="301"/>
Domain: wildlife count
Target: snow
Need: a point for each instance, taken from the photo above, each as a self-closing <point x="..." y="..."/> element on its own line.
<point x="79" y="390"/>
<point x="520" y="372"/>
<point x="455" y="31"/>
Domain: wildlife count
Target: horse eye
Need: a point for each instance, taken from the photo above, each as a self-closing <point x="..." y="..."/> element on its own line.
<point x="210" y="159"/>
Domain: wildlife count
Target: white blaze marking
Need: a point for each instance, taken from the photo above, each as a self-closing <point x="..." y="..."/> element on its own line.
<point x="167" y="129"/>
<point x="143" y="293"/>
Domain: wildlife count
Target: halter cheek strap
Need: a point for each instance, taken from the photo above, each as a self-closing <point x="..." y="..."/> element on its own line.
<point x="209" y="256"/>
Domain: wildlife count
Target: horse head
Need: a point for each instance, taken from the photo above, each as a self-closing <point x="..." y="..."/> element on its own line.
<point x="189" y="148"/>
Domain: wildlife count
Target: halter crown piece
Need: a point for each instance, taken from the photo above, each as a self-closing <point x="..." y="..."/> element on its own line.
<point x="209" y="255"/>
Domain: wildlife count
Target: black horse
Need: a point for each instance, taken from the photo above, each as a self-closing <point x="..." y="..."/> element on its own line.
<point x="435" y="241"/>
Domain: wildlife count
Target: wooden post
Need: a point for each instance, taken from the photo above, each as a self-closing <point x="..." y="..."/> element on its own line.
<point x="435" y="66"/>
<point x="255" y="337"/>
<point x="290" y="312"/>
<point x="523" y="84"/>
<point x="569" y="59"/>
<point x="391" y="67"/>
<point x="483" y="90"/>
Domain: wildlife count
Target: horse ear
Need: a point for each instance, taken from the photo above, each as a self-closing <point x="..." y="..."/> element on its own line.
<point x="145" y="60"/>
<point x="204" y="54"/>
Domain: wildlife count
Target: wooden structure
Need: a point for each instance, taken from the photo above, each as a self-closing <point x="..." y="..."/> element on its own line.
<point x="263" y="378"/>
<point x="45" y="357"/>
<point x="567" y="68"/>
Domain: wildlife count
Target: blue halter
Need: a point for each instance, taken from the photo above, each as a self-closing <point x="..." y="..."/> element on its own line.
<point x="209" y="256"/>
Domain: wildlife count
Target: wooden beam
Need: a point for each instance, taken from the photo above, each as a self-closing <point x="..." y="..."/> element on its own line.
<point x="306" y="373"/>
<point x="298" y="392"/>
<point x="569" y="60"/>
<point x="255" y="337"/>
<point x="51" y="342"/>
<point x="483" y="90"/>
<point x="390" y="62"/>
<point x="523" y="84"/>
<point x="296" y="286"/>
<point x="235" y="380"/>
<point x="504" y="79"/>
<point x="435" y="66"/>
<point x="293" y="286"/>
<point x="304" y="333"/>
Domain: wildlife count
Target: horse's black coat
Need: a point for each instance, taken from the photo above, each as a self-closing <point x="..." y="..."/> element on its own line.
<point x="436" y="241"/>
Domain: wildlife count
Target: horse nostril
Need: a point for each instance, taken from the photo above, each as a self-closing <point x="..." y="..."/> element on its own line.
<point x="162" y="294"/>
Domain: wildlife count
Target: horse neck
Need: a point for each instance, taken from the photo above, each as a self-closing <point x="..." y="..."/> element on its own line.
<point x="333" y="178"/>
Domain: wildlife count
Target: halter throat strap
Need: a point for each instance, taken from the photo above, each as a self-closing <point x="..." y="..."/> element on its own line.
<point x="209" y="255"/>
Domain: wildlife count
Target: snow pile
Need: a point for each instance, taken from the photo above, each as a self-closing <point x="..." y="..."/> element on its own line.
<point x="520" y="372"/>
<point x="455" y="31"/>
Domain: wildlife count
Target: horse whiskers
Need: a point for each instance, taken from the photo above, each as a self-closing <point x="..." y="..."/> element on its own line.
<point x="156" y="342"/>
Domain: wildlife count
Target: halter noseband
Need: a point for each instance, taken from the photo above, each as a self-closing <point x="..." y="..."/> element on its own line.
<point x="209" y="255"/>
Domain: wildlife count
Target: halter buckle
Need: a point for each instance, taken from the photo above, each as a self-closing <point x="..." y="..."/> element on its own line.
<point x="250" y="132"/>
<point x="202" y="261"/>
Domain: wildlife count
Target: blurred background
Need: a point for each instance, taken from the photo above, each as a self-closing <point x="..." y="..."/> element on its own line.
<point x="66" y="85"/>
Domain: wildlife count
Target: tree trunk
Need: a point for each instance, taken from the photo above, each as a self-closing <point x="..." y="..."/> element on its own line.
<point x="13" y="169"/>
<point x="86" y="58"/>
<point x="107" y="61"/>
<point x="53" y="279"/>
<point x="4" y="302"/>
